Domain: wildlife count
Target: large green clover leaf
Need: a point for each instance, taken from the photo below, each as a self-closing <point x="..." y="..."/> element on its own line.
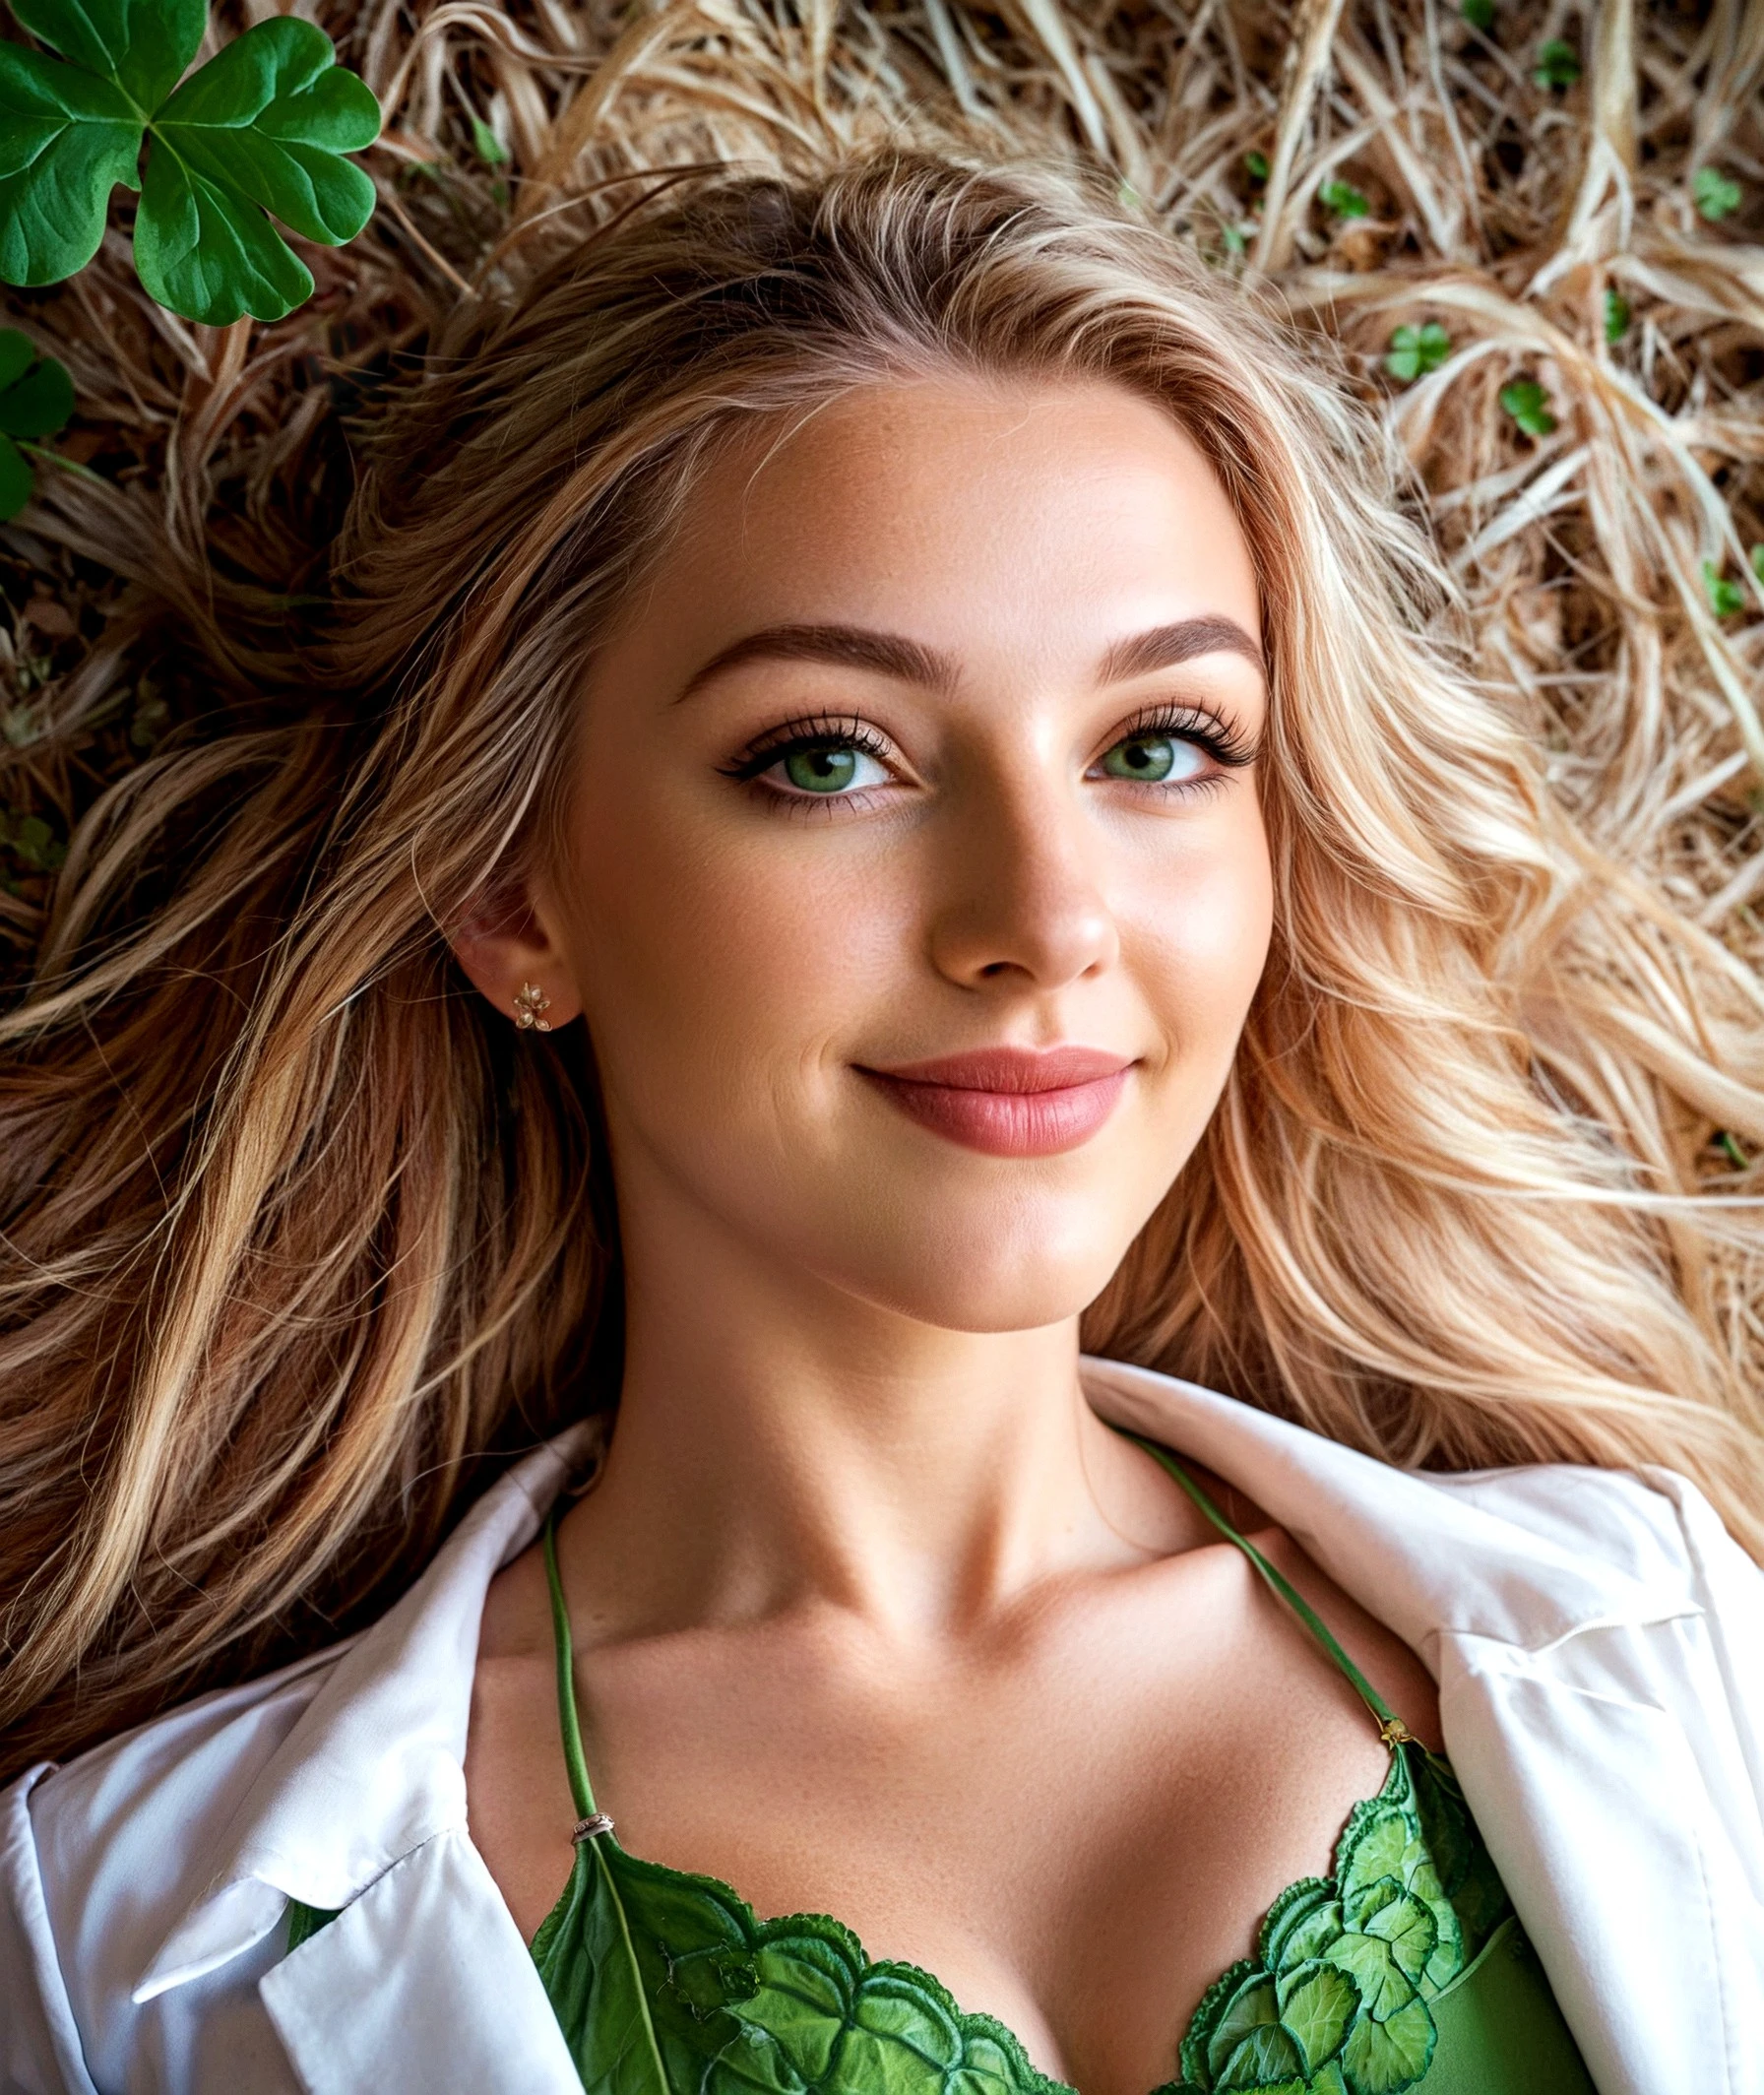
<point x="37" y="397"/>
<point x="259" y="133"/>
<point x="66" y="140"/>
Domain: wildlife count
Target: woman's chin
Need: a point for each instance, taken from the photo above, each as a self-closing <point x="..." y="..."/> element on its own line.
<point x="990" y="1273"/>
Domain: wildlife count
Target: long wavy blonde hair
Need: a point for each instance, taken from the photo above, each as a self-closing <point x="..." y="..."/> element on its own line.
<point x="301" y="1241"/>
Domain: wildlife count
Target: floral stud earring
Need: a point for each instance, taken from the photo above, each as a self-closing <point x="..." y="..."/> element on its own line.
<point x="528" y="1007"/>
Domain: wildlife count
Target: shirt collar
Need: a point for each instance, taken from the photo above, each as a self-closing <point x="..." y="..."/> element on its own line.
<point x="375" y="1765"/>
<point x="1523" y="1557"/>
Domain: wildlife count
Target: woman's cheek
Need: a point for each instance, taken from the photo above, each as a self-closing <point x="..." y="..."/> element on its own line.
<point x="1201" y="945"/>
<point x="715" y="961"/>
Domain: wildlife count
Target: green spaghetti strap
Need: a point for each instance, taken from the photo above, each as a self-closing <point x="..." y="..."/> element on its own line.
<point x="1391" y="1728"/>
<point x="580" y="1787"/>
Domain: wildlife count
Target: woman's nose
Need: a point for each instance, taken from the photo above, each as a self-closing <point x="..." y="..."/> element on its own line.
<point x="1021" y="895"/>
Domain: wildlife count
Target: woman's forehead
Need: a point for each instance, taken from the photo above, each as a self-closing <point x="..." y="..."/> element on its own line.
<point x="1062" y="518"/>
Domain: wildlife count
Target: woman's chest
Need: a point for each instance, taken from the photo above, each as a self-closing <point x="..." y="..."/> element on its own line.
<point x="1077" y="1835"/>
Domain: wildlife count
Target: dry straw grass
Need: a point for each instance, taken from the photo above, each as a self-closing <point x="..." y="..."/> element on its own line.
<point x="1508" y="211"/>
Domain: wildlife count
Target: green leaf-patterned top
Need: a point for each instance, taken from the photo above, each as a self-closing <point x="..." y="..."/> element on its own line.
<point x="1404" y="1969"/>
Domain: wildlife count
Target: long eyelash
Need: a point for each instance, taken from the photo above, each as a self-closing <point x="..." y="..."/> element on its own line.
<point x="1189" y="724"/>
<point x="793" y="736"/>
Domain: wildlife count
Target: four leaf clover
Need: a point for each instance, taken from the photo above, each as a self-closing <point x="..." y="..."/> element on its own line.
<point x="1416" y="350"/>
<point x="260" y="131"/>
<point x="1717" y="196"/>
<point x="37" y="397"/>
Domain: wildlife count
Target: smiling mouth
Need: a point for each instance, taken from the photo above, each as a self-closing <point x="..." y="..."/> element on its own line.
<point x="1008" y="1102"/>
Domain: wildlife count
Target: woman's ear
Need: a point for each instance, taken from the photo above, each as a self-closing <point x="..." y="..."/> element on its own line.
<point x="507" y="945"/>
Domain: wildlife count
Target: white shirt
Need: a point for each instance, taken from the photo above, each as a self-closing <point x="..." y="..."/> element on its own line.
<point x="1597" y="1637"/>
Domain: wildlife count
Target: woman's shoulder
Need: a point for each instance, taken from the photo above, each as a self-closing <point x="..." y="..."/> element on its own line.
<point x="150" y="1874"/>
<point x="1650" y="1525"/>
<point x="1529" y="1557"/>
<point x="189" y="1765"/>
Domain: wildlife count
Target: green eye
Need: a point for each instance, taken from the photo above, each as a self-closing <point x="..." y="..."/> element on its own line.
<point x="1149" y="758"/>
<point x="828" y="770"/>
<point x="821" y="770"/>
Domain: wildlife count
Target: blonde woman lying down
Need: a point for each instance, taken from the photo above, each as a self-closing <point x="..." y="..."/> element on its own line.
<point x="882" y="788"/>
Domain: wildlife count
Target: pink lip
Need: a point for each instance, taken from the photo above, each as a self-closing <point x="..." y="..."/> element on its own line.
<point x="1010" y="1101"/>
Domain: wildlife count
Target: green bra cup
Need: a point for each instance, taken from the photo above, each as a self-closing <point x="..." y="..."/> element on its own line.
<point x="1403" y="1970"/>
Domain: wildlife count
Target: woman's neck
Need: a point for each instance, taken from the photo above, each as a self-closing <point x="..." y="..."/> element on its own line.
<point x="780" y="1443"/>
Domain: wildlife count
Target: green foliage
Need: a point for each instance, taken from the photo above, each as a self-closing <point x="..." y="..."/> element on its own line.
<point x="258" y="133"/>
<point x="1343" y="200"/>
<point x="1730" y="1148"/>
<point x="1257" y="165"/>
<point x="1558" y="66"/>
<point x="1616" y="316"/>
<point x="32" y="842"/>
<point x="1529" y="406"/>
<point x="490" y="149"/>
<point x="37" y="397"/>
<point x="1756" y="557"/>
<point x="1716" y="195"/>
<point x="1416" y="350"/>
<point x="1727" y="599"/>
<point x="1479" y="14"/>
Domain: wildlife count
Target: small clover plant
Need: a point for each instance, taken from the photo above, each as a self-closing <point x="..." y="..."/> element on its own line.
<point x="1558" y="66"/>
<point x="260" y="132"/>
<point x="1717" y="196"/>
<point x="1616" y="316"/>
<point x="1343" y="200"/>
<point x="1727" y="599"/>
<point x="1416" y="350"/>
<point x="1529" y="404"/>
<point x="32" y="842"/>
<point x="37" y="397"/>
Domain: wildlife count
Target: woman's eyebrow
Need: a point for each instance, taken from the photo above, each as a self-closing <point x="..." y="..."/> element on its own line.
<point x="1164" y="646"/>
<point x="854" y="647"/>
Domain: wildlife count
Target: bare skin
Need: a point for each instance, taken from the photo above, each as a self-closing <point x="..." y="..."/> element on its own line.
<point x="872" y="1615"/>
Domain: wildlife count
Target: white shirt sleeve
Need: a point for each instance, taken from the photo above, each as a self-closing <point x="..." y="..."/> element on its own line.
<point x="39" y="2044"/>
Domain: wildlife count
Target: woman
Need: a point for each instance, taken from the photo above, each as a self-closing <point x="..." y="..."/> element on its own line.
<point x="882" y="790"/>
